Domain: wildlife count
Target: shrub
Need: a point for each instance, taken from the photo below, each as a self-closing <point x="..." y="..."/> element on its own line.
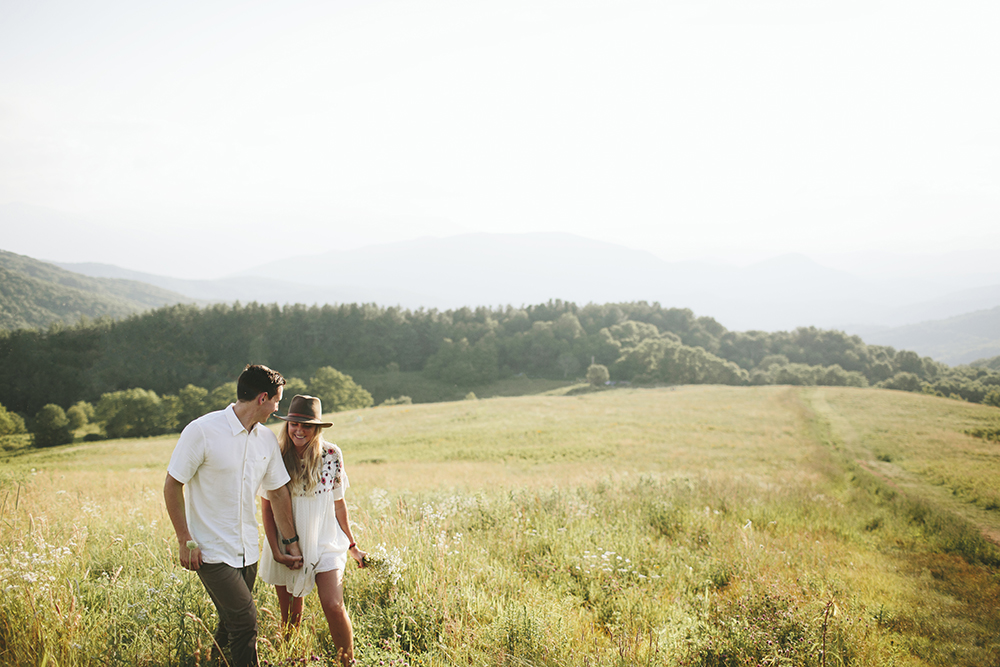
<point x="134" y="413"/>
<point x="10" y="422"/>
<point x="398" y="400"/>
<point x="597" y="374"/>
<point x="51" y="427"/>
<point x="80" y="414"/>
<point x="77" y="417"/>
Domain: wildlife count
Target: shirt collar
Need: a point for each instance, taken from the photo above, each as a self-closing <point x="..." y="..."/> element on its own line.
<point x="234" y="421"/>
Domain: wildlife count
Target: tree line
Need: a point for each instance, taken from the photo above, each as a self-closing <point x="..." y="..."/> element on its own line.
<point x="137" y="412"/>
<point x="165" y="350"/>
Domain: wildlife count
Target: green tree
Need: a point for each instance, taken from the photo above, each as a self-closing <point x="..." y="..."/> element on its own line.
<point x="772" y="360"/>
<point x="630" y="333"/>
<point x="909" y="362"/>
<point x="51" y="427"/>
<point x="170" y="410"/>
<point x="78" y="415"/>
<point x="338" y="391"/>
<point x="133" y="413"/>
<point x="569" y="364"/>
<point x="992" y="397"/>
<point x="220" y="397"/>
<point x="295" y="386"/>
<point x="10" y="422"/>
<point x="463" y="364"/>
<point x="904" y="381"/>
<point x="597" y="375"/>
<point x="192" y="403"/>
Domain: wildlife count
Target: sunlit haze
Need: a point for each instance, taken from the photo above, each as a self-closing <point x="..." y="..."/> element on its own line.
<point x="204" y="132"/>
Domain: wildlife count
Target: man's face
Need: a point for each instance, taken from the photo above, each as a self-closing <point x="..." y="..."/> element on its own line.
<point x="268" y="405"/>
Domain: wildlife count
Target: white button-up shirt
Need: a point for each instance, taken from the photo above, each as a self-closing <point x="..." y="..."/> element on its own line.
<point x="222" y="467"/>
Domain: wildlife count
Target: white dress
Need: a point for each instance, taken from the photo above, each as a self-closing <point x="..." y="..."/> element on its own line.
<point x="324" y="545"/>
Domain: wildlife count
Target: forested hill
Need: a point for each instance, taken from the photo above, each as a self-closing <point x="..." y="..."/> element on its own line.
<point x="36" y="294"/>
<point x="169" y="348"/>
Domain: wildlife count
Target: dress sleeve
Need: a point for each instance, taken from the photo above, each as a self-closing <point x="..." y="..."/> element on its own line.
<point x="338" y="476"/>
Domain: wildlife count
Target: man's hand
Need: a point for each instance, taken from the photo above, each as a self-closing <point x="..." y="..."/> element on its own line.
<point x="190" y="558"/>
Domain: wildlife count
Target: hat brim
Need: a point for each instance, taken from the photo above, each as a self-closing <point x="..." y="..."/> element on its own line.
<point x="308" y="422"/>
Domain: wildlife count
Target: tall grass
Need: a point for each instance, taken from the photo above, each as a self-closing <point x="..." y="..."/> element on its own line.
<point x="702" y="526"/>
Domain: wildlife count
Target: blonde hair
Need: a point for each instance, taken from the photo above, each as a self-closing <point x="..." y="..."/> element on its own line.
<point x="305" y="471"/>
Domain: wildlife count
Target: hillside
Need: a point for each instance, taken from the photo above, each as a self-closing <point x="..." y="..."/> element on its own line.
<point x="955" y="340"/>
<point x="992" y="363"/>
<point x="35" y="294"/>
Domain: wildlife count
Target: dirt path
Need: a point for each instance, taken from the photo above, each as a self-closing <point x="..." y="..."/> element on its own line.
<point x="899" y="479"/>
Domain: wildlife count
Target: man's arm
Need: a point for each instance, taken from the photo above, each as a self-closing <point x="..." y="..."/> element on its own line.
<point x="281" y="508"/>
<point x="173" y="497"/>
<point x="271" y="535"/>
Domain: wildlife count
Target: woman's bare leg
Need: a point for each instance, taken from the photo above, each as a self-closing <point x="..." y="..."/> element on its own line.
<point x="291" y="607"/>
<point x="330" y="586"/>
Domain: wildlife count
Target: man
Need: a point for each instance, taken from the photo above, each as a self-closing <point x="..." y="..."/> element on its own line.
<point x="223" y="458"/>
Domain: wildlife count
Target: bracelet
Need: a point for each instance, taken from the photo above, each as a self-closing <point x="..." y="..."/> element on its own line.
<point x="290" y="540"/>
<point x="353" y="544"/>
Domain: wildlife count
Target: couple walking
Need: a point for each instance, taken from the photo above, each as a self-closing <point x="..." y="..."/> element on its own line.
<point x="224" y="460"/>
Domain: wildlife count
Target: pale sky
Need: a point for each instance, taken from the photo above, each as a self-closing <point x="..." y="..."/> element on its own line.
<point x="691" y="128"/>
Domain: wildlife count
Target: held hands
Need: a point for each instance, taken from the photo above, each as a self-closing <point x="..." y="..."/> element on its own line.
<point x="293" y="559"/>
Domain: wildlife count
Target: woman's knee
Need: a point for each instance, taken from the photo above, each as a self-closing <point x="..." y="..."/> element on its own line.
<point x="334" y="607"/>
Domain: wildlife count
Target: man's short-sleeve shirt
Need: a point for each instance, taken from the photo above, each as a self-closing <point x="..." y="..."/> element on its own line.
<point x="222" y="466"/>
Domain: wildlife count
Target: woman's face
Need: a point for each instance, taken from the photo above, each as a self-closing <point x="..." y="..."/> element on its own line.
<point x="301" y="434"/>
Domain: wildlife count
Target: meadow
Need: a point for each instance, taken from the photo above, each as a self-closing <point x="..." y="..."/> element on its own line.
<point x="695" y="525"/>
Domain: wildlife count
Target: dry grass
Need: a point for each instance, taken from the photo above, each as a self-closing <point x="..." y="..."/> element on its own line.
<point x="689" y="525"/>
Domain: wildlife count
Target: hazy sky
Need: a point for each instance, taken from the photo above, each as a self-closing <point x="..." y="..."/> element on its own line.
<point x="741" y="128"/>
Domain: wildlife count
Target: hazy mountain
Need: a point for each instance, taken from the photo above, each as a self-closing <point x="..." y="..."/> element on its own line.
<point x="781" y="293"/>
<point x="253" y="287"/>
<point x="992" y="363"/>
<point x="493" y="269"/>
<point x="956" y="340"/>
<point x="35" y="294"/>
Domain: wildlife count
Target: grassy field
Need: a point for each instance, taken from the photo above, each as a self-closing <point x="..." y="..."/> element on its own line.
<point x="676" y="526"/>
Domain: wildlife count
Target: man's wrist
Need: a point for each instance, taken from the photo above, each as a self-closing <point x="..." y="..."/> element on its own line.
<point x="290" y="540"/>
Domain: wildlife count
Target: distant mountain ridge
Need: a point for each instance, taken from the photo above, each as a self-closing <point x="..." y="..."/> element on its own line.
<point x="35" y="294"/>
<point x="782" y="293"/>
<point x="956" y="340"/>
<point x="777" y="294"/>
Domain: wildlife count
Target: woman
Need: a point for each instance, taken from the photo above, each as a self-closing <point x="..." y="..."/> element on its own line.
<point x="324" y="531"/>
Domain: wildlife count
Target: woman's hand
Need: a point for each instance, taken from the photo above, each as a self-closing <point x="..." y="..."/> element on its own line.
<point x="288" y="560"/>
<point x="358" y="555"/>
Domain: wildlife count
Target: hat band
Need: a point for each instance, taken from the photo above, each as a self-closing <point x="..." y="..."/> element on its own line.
<point x="299" y="414"/>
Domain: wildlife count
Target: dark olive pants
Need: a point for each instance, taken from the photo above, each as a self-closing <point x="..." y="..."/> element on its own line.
<point x="231" y="589"/>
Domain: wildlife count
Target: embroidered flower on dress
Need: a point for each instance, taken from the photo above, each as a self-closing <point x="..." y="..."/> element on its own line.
<point x="330" y="471"/>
